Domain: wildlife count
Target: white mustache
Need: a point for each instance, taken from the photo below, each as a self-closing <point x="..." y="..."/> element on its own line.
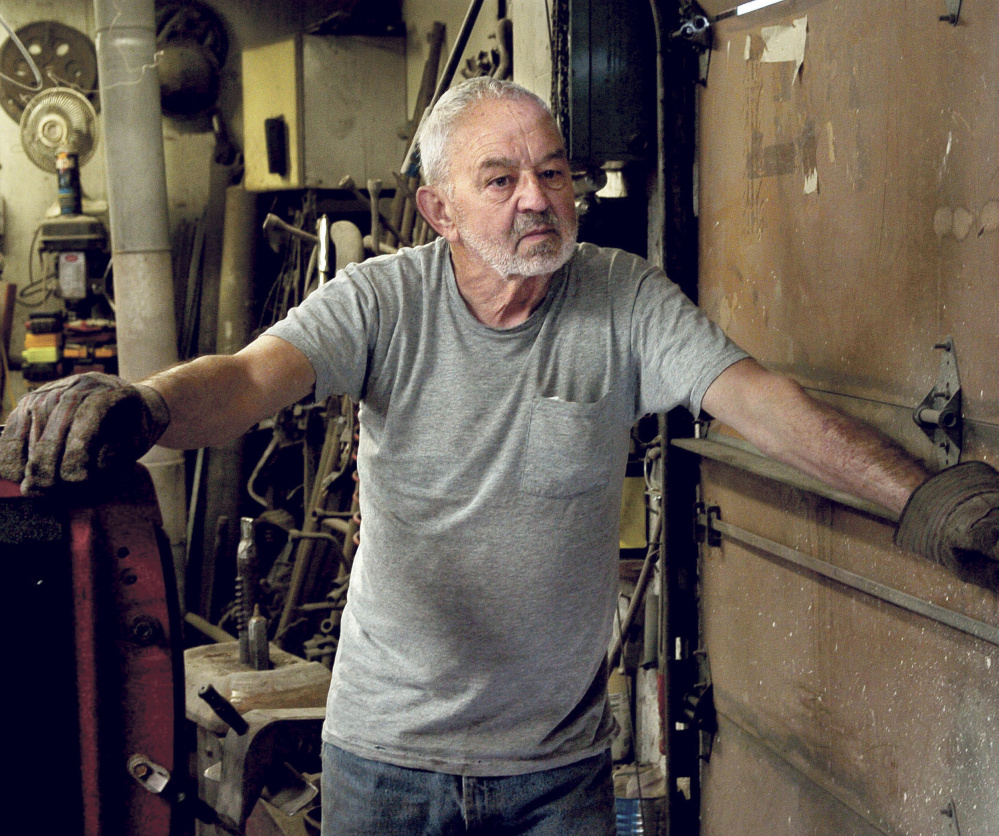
<point x="532" y="221"/>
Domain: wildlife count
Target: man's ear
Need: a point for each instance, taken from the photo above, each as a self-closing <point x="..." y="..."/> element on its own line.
<point x="436" y="211"/>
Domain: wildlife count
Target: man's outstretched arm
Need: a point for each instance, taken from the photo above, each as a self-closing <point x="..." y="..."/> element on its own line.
<point x="784" y="422"/>
<point x="951" y="517"/>
<point x="214" y="399"/>
<point x="85" y="426"/>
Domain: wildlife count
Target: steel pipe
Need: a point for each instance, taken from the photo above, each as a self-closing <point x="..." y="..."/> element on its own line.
<point x="140" y="240"/>
<point x="785" y="554"/>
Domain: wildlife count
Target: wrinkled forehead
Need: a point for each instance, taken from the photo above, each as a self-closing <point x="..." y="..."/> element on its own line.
<point x="505" y="126"/>
<point x="504" y="111"/>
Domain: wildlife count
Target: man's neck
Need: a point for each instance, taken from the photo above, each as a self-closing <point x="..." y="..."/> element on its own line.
<point x="494" y="300"/>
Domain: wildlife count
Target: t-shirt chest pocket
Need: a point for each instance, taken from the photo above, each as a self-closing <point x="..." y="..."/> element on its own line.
<point x="569" y="447"/>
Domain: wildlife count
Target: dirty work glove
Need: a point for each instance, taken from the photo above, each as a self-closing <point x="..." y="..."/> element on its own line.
<point x="77" y="428"/>
<point x="953" y="518"/>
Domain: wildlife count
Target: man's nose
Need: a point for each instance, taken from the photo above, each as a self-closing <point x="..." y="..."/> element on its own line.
<point x="532" y="196"/>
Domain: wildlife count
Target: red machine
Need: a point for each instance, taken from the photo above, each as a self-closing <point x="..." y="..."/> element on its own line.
<point x="94" y="616"/>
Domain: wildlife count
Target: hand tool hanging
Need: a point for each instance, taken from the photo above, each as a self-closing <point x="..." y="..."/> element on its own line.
<point x="411" y="162"/>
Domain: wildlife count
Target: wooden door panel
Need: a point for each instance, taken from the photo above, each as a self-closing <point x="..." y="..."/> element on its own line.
<point x="841" y="713"/>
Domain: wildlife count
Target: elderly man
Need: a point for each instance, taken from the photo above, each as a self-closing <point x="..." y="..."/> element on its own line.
<point x="499" y="370"/>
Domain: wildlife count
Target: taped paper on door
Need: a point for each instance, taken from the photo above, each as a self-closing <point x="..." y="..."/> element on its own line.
<point x="785" y="43"/>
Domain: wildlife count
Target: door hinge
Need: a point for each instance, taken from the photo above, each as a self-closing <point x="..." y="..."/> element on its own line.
<point x="939" y="413"/>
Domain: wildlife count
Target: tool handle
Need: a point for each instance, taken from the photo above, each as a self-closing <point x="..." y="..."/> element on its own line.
<point x="223" y="709"/>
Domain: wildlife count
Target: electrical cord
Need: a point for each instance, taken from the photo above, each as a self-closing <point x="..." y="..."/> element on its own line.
<point x="8" y="403"/>
<point x="27" y="57"/>
<point x="631" y="721"/>
<point x="106" y="288"/>
<point x="651" y="558"/>
<point x="264" y="458"/>
<point x="34" y="287"/>
<point x="653" y="452"/>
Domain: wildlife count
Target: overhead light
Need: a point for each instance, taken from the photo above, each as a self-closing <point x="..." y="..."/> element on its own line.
<point x="746" y="8"/>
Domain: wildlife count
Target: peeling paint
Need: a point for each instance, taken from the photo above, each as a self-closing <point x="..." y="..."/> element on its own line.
<point x="963" y="219"/>
<point x="946" y="156"/>
<point x="989" y="218"/>
<point x="943" y="221"/>
<point x="785" y="44"/>
<point x="809" y="157"/>
<point x="959" y="221"/>
<point x="726" y="310"/>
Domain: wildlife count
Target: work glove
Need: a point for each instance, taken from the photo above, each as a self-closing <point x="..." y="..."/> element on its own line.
<point x="953" y="518"/>
<point x="79" y="428"/>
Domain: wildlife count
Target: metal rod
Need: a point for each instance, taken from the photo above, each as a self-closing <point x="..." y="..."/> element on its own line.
<point x="224" y="709"/>
<point x="295" y="534"/>
<point x="445" y="80"/>
<point x="638" y="597"/>
<point x="306" y="538"/>
<point x="742" y="455"/>
<point x="206" y="628"/>
<point x="903" y="600"/>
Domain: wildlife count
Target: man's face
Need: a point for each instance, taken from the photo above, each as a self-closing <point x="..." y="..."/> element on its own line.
<point x="510" y="189"/>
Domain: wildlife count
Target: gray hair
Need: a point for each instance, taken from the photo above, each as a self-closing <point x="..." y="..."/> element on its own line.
<point x="440" y="124"/>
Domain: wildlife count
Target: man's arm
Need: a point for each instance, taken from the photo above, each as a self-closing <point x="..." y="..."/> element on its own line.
<point x="85" y="426"/>
<point x="775" y="414"/>
<point x="215" y="399"/>
<point x="952" y="517"/>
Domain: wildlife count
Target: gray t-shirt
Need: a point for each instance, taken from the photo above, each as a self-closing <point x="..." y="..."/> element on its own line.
<point x="491" y="466"/>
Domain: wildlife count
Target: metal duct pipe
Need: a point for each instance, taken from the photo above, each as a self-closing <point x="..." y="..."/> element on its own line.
<point x="140" y="242"/>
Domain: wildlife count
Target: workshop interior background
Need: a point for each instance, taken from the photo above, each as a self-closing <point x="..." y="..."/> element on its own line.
<point x="821" y="176"/>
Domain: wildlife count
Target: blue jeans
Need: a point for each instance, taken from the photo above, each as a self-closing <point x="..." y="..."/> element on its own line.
<point x="362" y="797"/>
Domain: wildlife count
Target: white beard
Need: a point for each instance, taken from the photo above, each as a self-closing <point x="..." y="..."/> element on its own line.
<point x="544" y="257"/>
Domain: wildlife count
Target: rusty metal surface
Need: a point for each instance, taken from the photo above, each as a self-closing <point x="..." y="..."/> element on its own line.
<point x="850" y="287"/>
<point x="773" y="798"/>
<point x="842" y="714"/>
<point x="892" y="715"/>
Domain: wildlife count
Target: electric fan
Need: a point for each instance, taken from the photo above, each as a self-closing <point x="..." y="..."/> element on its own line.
<point x="58" y="119"/>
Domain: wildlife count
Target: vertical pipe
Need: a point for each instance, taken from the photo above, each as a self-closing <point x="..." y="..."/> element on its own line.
<point x="673" y="245"/>
<point x="137" y="202"/>
<point x="239" y="247"/>
<point x="467" y="25"/>
<point x="233" y="321"/>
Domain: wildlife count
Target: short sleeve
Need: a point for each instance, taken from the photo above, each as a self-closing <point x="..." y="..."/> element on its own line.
<point x="336" y="327"/>
<point x="678" y="351"/>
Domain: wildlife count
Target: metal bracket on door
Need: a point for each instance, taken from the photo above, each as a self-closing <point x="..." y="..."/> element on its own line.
<point x="710" y="520"/>
<point x="704" y="530"/>
<point x="699" y="705"/>
<point x="953" y="12"/>
<point x="939" y="413"/>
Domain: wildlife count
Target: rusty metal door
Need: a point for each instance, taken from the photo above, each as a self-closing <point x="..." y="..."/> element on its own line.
<point x="849" y="222"/>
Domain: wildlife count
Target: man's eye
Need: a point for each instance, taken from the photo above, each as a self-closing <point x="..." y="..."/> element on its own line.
<point x="500" y="182"/>
<point x="552" y="175"/>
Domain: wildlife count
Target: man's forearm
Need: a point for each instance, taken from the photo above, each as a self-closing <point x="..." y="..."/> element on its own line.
<point x="843" y="452"/>
<point x="779" y="417"/>
<point x="202" y="399"/>
<point x="951" y="518"/>
<point x="215" y="399"/>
